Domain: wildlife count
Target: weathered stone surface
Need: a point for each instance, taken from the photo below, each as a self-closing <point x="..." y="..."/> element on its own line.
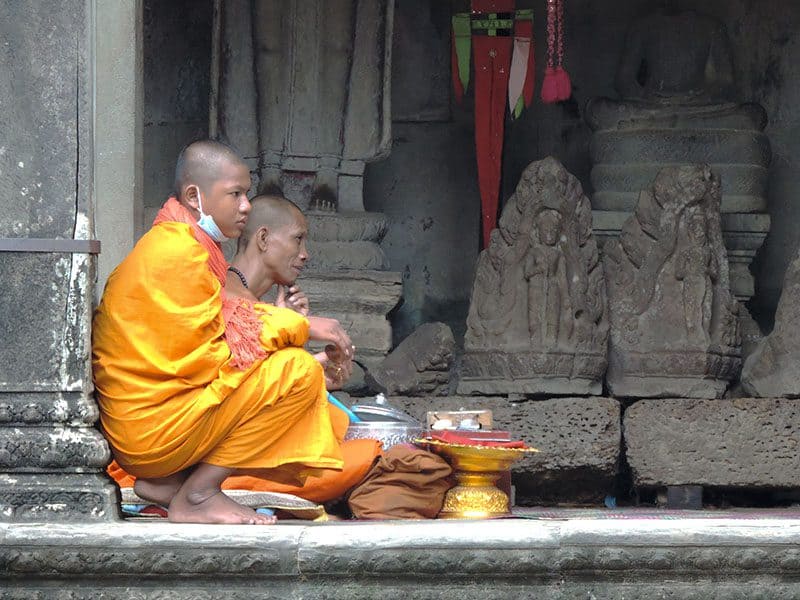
<point x="420" y="55"/>
<point x="676" y="147"/>
<point x="677" y="82"/>
<point x="38" y="188"/>
<point x="538" y="319"/>
<point x="37" y="408"/>
<point x="50" y="456"/>
<point x="419" y="365"/>
<point x="360" y="300"/>
<point x="578" y="439"/>
<point x="773" y="369"/>
<point x="28" y="449"/>
<point x="746" y="181"/>
<point x="553" y="560"/>
<point x="57" y="496"/>
<point x="730" y="443"/>
<point x="299" y="103"/>
<point x="674" y="327"/>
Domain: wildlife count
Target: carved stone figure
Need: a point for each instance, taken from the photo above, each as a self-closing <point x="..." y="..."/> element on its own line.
<point x="773" y="369"/>
<point x="301" y="88"/>
<point x="538" y="321"/>
<point x="546" y="275"/>
<point x="676" y="79"/>
<point x="674" y="330"/>
<point x="304" y="92"/>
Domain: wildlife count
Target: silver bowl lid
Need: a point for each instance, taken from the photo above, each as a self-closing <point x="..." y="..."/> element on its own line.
<point x="373" y="412"/>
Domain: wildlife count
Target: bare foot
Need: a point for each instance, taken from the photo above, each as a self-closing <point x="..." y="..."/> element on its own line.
<point x="216" y="508"/>
<point x="160" y="490"/>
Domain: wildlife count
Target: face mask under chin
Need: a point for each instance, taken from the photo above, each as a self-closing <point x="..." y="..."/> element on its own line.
<point x="208" y="224"/>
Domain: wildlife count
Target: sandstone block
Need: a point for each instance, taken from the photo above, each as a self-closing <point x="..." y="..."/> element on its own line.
<point x="578" y="439"/>
<point x="419" y="365"/>
<point x="743" y="442"/>
<point x="773" y="368"/>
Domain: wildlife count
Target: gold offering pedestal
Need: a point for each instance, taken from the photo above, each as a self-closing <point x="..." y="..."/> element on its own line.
<point x="476" y="470"/>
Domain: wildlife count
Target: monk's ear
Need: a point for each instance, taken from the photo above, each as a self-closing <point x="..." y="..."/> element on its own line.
<point x="190" y="195"/>
<point x="262" y="234"/>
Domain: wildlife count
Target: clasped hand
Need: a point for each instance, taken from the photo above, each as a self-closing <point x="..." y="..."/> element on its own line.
<point x="337" y="359"/>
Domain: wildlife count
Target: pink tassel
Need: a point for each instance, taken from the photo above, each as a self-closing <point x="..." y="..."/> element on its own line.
<point x="563" y="84"/>
<point x="550" y="86"/>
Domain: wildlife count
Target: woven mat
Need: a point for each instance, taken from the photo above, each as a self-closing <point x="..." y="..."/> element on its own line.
<point x="297" y="507"/>
<point x="654" y="513"/>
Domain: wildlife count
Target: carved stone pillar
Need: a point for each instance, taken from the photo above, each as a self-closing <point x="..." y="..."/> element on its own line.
<point x="51" y="455"/>
<point x="302" y="89"/>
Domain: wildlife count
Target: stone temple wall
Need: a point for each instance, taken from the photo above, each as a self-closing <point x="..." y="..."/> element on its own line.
<point x="51" y="455"/>
<point x="427" y="185"/>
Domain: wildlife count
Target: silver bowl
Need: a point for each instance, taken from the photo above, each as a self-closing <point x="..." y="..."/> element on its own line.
<point x="389" y="433"/>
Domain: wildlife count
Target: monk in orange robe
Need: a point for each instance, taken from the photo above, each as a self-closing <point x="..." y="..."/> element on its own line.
<point x="195" y="385"/>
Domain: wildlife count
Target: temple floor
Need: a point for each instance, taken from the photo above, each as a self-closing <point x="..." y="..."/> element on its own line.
<point x="551" y="553"/>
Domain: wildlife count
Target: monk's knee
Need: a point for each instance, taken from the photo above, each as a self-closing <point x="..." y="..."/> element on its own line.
<point x="303" y="368"/>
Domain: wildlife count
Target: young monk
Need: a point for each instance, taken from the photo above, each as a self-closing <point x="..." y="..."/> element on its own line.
<point x="194" y="385"/>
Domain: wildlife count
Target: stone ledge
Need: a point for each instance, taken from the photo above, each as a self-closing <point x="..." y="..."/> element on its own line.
<point x="680" y="558"/>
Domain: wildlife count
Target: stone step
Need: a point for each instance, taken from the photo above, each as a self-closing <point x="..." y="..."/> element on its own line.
<point x="552" y="559"/>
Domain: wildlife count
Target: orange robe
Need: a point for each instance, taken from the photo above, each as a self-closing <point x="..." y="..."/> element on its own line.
<point x="169" y="396"/>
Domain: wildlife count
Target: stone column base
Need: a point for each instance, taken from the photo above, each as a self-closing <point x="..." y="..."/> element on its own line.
<point x="57" y="497"/>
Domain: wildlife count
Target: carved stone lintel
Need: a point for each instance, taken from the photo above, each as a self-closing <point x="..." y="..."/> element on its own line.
<point x="62" y="497"/>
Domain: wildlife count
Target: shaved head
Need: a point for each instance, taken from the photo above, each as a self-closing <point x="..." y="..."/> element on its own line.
<point x="272" y="211"/>
<point x="200" y="163"/>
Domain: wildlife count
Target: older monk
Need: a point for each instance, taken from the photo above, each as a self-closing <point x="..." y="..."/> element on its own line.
<point x="195" y="385"/>
<point x="272" y="252"/>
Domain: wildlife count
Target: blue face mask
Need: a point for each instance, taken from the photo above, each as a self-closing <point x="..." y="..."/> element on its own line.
<point x="208" y="224"/>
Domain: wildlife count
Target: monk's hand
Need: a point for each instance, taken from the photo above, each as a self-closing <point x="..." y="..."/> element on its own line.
<point x="293" y="297"/>
<point x="336" y="372"/>
<point x="323" y="329"/>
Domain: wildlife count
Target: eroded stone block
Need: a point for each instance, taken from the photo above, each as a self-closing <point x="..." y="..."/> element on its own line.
<point x="744" y="442"/>
<point x="773" y="369"/>
<point x="578" y="439"/>
<point x="419" y="365"/>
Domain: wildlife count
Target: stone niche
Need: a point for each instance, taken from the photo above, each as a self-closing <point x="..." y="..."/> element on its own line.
<point x="677" y="105"/>
<point x="674" y="326"/>
<point x="304" y="93"/>
<point x="537" y="320"/>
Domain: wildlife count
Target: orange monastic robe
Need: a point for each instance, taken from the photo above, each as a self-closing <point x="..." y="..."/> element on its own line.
<point x="168" y="392"/>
